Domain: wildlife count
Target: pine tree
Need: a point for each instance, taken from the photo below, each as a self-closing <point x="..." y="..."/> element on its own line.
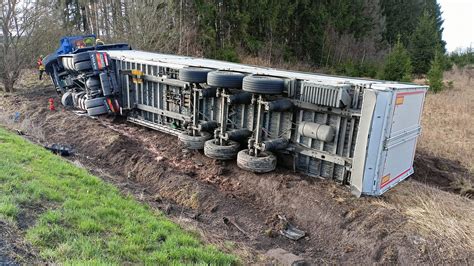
<point x="435" y="75"/>
<point x="433" y="8"/>
<point x="397" y="65"/>
<point x="401" y="17"/>
<point x="423" y="44"/>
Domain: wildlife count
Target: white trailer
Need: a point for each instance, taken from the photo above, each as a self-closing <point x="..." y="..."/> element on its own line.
<point x="361" y="133"/>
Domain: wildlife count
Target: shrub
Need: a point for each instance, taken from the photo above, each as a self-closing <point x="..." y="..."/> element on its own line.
<point x="227" y="54"/>
<point x="462" y="57"/>
<point x="351" y="69"/>
<point x="397" y="64"/>
<point x="435" y="75"/>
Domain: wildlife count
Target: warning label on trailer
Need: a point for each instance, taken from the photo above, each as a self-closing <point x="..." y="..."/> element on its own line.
<point x="400" y="100"/>
<point x="385" y="179"/>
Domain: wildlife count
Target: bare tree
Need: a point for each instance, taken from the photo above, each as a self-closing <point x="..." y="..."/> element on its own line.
<point x="18" y="18"/>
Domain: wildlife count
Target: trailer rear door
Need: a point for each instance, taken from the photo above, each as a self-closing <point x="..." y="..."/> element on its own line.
<point x="399" y="144"/>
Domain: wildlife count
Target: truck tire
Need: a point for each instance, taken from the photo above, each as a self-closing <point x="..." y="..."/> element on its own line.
<point x="280" y="105"/>
<point x="225" y="79"/>
<point x="265" y="162"/>
<point x="263" y="84"/>
<point x="194" y="142"/>
<point x="66" y="99"/>
<point x="99" y="110"/>
<point x="83" y="66"/>
<point x="81" y="102"/>
<point x="95" y="93"/>
<point x="208" y="126"/>
<point x="194" y="74"/>
<point x="221" y="152"/>
<point x="92" y="82"/>
<point x="81" y="57"/>
<point x="70" y="62"/>
<point x="76" y="96"/>
<point x="67" y="63"/>
<point x="90" y="103"/>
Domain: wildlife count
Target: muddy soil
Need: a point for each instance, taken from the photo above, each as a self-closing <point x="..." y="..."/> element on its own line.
<point x="445" y="174"/>
<point x="199" y="192"/>
<point x="13" y="249"/>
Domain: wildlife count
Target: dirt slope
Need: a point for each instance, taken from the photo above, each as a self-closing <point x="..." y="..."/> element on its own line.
<point x="413" y="223"/>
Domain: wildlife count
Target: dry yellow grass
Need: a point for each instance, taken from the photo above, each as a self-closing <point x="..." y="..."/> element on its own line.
<point x="436" y="214"/>
<point x="448" y="121"/>
<point x="448" y="130"/>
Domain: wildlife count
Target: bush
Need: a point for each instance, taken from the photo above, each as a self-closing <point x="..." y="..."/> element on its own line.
<point x="435" y="75"/>
<point x="365" y="69"/>
<point x="397" y="66"/>
<point x="368" y="69"/>
<point x="447" y="63"/>
<point x="347" y="69"/>
<point x="462" y="57"/>
<point x="227" y="54"/>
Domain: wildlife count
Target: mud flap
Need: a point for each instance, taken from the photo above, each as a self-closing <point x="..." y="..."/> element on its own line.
<point x="113" y="105"/>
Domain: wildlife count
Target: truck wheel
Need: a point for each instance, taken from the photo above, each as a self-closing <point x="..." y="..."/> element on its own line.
<point x="92" y="82"/>
<point x="280" y="105"/>
<point x="70" y="63"/>
<point x="263" y="84"/>
<point x="83" y="66"/>
<point x="67" y="63"/>
<point x="263" y="163"/>
<point x="194" y="74"/>
<point x="99" y="110"/>
<point x="76" y="97"/>
<point x="81" y="57"/>
<point x="81" y="101"/>
<point x="95" y="93"/>
<point x="225" y="79"/>
<point x="213" y="150"/>
<point x="66" y="99"/>
<point x="90" y="103"/>
<point x="194" y="142"/>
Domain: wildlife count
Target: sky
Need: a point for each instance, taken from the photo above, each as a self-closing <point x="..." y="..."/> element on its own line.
<point x="458" y="23"/>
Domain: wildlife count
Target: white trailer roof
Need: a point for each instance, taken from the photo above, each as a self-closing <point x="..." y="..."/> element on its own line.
<point x="178" y="61"/>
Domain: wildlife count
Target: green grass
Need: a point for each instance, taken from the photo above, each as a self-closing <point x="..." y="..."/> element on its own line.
<point x="87" y="221"/>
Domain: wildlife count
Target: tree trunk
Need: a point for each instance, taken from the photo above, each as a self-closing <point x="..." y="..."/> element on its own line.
<point x="106" y="23"/>
<point x="85" y="25"/>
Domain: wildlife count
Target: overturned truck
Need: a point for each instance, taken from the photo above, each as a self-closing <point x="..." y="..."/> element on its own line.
<point x="361" y="133"/>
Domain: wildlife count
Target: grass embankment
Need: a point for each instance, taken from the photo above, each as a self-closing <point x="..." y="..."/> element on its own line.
<point x="83" y="219"/>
